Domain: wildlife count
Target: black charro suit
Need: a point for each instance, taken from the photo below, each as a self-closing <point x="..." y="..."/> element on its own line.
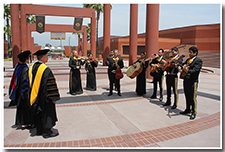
<point x="190" y="84"/>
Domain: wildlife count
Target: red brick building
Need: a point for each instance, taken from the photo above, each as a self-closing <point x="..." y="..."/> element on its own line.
<point x="205" y="37"/>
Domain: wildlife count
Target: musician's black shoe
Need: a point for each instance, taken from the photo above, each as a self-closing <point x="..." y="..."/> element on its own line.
<point x="173" y="107"/>
<point x="193" y="116"/>
<point x="166" y="104"/>
<point x="153" y="97"/>
<point x="161" y="99"/>
<point x="119" y="94"/>
<point x="110" y="94"/>
<point x="185" y="112"/>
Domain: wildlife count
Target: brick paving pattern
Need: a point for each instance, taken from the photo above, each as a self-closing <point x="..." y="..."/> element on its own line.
<point x="114" y="109"/>
<point x="138" y="139"/>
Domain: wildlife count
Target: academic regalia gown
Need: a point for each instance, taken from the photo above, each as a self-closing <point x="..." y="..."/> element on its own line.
<point x="75" y="79"/>
<point x="91" y="77"/>
<point x="18" y="93"/>
<point x="141" y="79"/>
<point x="43" y="109"/>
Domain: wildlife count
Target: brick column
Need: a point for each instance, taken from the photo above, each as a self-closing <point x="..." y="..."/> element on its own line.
<point x="106" y="32"/>
<point x="152" y="31"/>
<point x="15" y="29"/>
<point x="133" y="33"/>
<point x="93" y="35"/>
<point x="23" y="28"/>
<point x="85" y="43"/>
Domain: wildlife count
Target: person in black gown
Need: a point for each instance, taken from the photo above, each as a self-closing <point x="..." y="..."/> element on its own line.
<point x="141" y="78"/>
<point x="90" y="69"/>
<point x="75" y="79"/>
<point x="43" y="95"/>
<point x="18" y="91"/>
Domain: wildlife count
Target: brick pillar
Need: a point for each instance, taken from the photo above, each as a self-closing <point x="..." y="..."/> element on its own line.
<point x="85" y="43"/>
<point x="79" y="46"/>
<point x="106" y="34"/>
<point x="93" y="35"/>
<point x="152" y="31"/>
<point x="133" y="33"/>
<point x="15" y="29"/>
<point x="23" y="29"/>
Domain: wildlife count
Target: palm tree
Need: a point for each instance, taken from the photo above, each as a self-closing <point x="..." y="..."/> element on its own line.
<point x="7" y="28"/>
<point x="7" y="18"/>
<point x="98" y="8"/>
<point x="88" y="27"/>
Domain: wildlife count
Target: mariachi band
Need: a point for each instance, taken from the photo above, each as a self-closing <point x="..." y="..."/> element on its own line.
<point x="159" y="65"/>
<point x="34" y="90"/>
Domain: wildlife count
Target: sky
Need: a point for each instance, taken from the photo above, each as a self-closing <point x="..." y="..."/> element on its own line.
<point x="170" y="16"/>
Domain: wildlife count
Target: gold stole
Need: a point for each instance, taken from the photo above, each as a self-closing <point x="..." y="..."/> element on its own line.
<point x="37" y="81"/>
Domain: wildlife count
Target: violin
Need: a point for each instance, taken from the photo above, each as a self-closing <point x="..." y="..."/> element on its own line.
<point x="91" y="60"/>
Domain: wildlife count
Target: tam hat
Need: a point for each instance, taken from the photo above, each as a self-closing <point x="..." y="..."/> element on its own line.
<point x="24" y="54"/>
<point x="41" y="52"/>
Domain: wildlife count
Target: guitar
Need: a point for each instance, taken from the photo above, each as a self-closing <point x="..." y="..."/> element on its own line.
<point x="170" y="63"/>
<point x="153" y="69"/>
<point x="183" y="73"/>
<point x="133" y="71"/>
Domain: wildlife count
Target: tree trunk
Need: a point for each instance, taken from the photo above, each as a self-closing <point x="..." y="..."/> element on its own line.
<point x="8" y="37"/>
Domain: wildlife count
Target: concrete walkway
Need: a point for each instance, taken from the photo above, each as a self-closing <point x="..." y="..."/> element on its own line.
<point x="95" y="120"/>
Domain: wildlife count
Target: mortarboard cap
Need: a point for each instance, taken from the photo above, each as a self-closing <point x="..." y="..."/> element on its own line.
<point x="41" y="52"/>
<point x="24" y="54"/>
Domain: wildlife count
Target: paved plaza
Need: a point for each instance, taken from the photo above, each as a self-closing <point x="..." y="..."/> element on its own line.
<point x="95" y="120"/>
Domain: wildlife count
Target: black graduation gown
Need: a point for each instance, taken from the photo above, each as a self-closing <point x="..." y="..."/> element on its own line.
<point x="141" y="79"/>
<point x="75" y="79"/>
<point x="23" y="112"/>
<point x="91" y="76"/>
<point x="43" y="109"/>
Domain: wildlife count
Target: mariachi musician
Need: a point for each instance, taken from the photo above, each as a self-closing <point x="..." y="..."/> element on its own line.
<point x="115" y="63"/>
<point x="141" y="78"/>
<point x="158" y="74"/>
<point x="75" y="79"/>
<point x="110" y="57"/>
<point x="90" y="69"/>
<point x="192" y="67"/>
<point x="171" y="77"/>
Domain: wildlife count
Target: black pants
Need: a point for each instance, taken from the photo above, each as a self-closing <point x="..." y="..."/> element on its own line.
<point x="112" y="79"/>
<point x="159" y="79"/>
<point x="171" y="81"/>
<point x="190" y="92"/>
<point x="109" y="76"/>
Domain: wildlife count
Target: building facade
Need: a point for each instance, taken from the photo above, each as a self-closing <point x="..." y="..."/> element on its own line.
<point x="205" y="37"/>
